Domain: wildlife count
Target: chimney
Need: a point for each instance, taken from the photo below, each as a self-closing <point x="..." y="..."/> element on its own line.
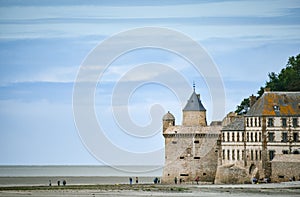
<point x="252" y="100"/>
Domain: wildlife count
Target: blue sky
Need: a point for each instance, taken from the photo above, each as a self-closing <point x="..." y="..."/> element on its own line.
<point x="43" y="43"/>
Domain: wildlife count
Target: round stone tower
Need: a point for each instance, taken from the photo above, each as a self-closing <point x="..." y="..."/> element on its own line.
<point x="194" y="113"/>
<point x="168" y="120"/>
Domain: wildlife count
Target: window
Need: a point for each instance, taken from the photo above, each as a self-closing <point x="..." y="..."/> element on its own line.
<point x="238" y="154"/>
<point x="255" y="122"/>
<point x="233" y="155"/>
<point x="174" y="142"/>
<point x="184" y="174"/>
<point x="251" y="137"/>
<point x="295" y="137"/>
<point x="237" y="136"/>
<point x="196" y="141"/>
<point x="284" y="137"/>
<point x="285" y="152"/>
<point x="243" y="135"/>
<point x="251" y="122"/>
<point x="232" y="136"/>
<point x="251" y="154"/>
<point x="260" y="155"/>
<point x="271" y="154"/>
<point x="271" y="136"/>
<point x="256" y="155"/>
<point x="181" y="157"/>
<point x="228" y="137"/>
<point x="295" y="122"/>
<point x="283" y="120"/>
<point x="196" y="157"/>
<point x="259" y="122"/>
<point x="243" y="154"/>
<point x="255" y="137"/>
<point x="247" y="136"/>
<point x="276" y="108"/>
<point x="247" y="122"/>
<point x="270" y="122"/>
<point x="228" y="158"/>
<point x="259" y="136"/>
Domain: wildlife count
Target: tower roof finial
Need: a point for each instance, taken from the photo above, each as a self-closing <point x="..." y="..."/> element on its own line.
<point x="194" y="85"/>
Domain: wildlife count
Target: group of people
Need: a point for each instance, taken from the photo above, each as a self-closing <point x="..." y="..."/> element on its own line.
<point x="155" y="180"/>
<point x="136" y="180"/>
<point x="58" y="183"/>
<point x="182" y="180"/>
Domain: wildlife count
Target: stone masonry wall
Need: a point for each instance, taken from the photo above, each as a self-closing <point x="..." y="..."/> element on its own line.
<point x="187" y="157"/>
<point x="194" y="118"/>
<point x="284" y="167"/>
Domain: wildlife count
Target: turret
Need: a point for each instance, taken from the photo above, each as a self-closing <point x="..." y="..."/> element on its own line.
<point x="168" y="120"/>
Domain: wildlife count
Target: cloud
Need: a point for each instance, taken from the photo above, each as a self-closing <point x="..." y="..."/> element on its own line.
<point x="20" y="22"/>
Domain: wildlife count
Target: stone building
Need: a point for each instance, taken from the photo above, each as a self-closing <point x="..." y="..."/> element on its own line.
<point x="191" y="149"/>
<point x="264" y="143"/>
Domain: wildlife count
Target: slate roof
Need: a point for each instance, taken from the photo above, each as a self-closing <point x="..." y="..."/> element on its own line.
<point x="235" y="125"/>
<point x="168" y="116"/>
<point x="276" y="104"/>
<point x="194" y="103"/>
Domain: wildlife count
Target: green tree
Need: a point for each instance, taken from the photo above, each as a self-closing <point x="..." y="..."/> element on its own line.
<point x="287" y="80"/>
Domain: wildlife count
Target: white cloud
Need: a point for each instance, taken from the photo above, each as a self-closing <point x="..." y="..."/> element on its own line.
<point x="215" y="9"/>
<point x="74" y="21"/>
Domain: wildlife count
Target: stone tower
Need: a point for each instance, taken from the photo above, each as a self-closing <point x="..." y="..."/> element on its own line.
<point x="168" y="120"/>
<point x="194" y="113"/>
<point x="190" y="149"/>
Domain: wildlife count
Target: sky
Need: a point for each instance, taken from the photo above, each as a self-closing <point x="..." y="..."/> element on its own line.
<point x="45" y="46"/>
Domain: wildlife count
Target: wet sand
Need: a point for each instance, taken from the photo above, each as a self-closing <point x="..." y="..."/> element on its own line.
<point x="262" y="190"/>
<point x="71" y="180"/>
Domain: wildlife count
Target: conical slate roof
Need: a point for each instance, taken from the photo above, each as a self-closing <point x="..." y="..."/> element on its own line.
<point x="168" y="116"/>
<point x="194" y="103"/>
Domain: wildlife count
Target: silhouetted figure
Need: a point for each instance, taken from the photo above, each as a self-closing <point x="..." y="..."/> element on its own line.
<point x="130" y="180"/>
<point x="64" y="182"/>
<point x="136" y="180"/>
<point x="197" y="180"/>
<point x="58" y="183"/>
<point x="155" y="180"/>
<point x="175" y="180"/>
<point x="50" y="183"/>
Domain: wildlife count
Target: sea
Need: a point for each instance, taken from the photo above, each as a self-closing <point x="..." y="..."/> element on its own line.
<point x="75" y="175"/>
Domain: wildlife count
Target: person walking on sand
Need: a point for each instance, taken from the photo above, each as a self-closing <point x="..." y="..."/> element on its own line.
<point x="136" y="180"/>
<point x="197" y="180"/>
<point x="130" y="180"/>
<point x="50" y="183"/>
<point x="64" y="182"/>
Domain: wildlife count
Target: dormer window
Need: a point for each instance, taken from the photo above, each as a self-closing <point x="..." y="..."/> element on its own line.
<point x="276" y="108"/>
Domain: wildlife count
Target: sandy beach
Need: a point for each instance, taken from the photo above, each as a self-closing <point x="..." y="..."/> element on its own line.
<point x="113" y="190"/>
